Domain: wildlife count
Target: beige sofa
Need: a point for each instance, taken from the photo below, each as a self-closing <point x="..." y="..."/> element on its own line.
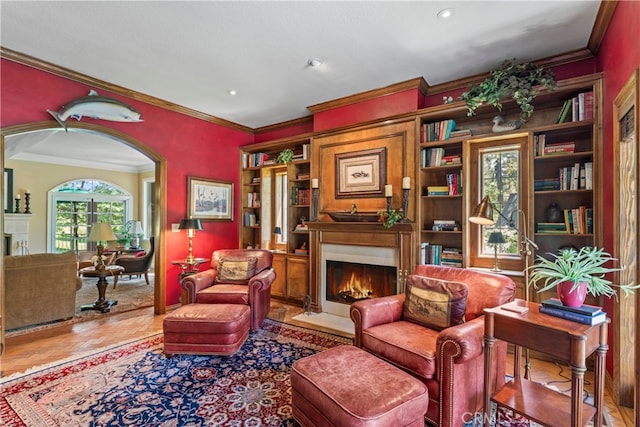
<point x="40" y="288"/>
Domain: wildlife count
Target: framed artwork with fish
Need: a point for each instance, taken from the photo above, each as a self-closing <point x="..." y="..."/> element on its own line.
<point x="209" y="199"/>
<point x="361" y="173"/>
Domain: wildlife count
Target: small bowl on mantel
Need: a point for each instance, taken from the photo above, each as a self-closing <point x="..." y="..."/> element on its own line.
<point x="355" y="217"/>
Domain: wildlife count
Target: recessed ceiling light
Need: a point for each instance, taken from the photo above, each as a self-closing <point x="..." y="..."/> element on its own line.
<point x="445" y="13"/>
<point x="232" y="92"/>
<point x="314" y="62"/>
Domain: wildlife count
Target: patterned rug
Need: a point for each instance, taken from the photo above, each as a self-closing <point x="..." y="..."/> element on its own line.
<point x="134" y="384"/>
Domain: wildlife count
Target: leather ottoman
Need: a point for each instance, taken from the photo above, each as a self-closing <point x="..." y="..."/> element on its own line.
<point x="346" y="386"/>
<point x="217" y="329"/>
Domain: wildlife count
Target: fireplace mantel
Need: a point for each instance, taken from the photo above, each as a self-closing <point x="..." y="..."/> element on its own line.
<point x="401" y="236"/>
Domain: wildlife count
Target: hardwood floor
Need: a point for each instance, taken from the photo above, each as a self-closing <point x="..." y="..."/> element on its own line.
<point x="54" y="344"/>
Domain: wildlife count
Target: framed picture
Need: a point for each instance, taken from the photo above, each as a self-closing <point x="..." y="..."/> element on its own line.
<point x="210" y="199"/>
<point x="8" y="191"/>
<point x="361" y="173"/>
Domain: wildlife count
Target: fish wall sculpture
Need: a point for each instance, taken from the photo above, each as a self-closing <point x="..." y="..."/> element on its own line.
<point x="96" y="107"/>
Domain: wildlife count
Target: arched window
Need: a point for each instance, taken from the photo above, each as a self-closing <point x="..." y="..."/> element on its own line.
<point x="75" y="205"/>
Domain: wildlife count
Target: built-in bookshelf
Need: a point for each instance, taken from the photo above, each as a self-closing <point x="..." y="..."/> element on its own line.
<point x="259" y="164"/>
<point x="561" y="161"/>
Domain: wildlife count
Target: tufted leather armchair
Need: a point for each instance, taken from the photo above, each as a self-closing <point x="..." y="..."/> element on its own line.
<point x="206" y="288"/>
<point x="450" y="362"/>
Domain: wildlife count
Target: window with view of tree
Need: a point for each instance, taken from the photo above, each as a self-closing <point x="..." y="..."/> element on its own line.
<point x="76" y="205"/>
<point x="499" y="168"/>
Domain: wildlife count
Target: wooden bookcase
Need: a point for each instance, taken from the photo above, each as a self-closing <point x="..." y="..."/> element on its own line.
<point x="290" y="260"/>
<point x="435" y="208"/>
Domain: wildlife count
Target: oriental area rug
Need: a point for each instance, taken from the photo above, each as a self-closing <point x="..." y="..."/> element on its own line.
<point x="134" y="384"/>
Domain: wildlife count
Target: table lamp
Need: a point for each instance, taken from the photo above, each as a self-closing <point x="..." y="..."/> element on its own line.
<point x="101" y="232"/>
<point x="191" y="225"/>
<point x="134" y="228"/>
<point x="496" y="238"/>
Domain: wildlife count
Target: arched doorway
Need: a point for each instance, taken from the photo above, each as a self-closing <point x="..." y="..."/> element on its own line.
<point x="159" y="196"/>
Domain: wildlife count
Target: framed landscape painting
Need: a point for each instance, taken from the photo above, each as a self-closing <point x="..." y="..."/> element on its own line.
<point x="210" y="199"/>
<point x="361" y="173"/>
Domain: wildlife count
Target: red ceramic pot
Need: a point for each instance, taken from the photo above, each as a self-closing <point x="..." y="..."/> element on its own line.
<point x="569" y="297"/>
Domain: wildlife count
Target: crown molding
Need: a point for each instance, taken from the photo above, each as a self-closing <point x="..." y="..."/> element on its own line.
<point x="289" y="123"/>
<point x="603" y="19"/>
<point x="57" y="70"/>
<point x="415" y="83"/>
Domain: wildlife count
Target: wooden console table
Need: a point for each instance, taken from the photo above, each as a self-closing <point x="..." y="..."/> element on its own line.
<point x="564" y="340"/>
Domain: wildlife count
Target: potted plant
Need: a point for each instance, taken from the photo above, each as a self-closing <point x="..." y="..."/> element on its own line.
<point x="285" y="156"/>
<point x="511" y="80"/>
<point x="390" y="217"/>
<point x="576" y="273"/>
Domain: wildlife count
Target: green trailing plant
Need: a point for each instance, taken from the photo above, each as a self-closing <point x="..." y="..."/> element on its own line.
<point x="390" y="218"/>
<point x="517" y="81"/>
<point x="571" y="265"/>
<point x="285" y="156"/>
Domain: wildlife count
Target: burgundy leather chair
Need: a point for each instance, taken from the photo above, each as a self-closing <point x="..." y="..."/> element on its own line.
<point x="226" y="282"/>
<point x="451" y="361"/>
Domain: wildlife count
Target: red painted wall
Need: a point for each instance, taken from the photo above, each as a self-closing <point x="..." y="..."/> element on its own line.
<point x="619" y="56"/>
<point x="385" y="106"/>
<point x="191" y="147"/>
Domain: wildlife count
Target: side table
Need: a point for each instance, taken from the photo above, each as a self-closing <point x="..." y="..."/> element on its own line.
<point x="101" y="304"/>
<point x="562" y="339"/>
<point x="187" y="268"/>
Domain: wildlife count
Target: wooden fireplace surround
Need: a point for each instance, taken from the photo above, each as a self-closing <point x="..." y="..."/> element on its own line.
<point x="401" y="236"/>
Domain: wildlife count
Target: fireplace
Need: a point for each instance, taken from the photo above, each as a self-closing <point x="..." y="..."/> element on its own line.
<point x="350" y="273"/>
<point x="348" y="282"/>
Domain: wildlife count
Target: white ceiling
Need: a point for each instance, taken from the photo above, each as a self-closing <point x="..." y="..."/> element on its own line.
<point x="193" y="52"/>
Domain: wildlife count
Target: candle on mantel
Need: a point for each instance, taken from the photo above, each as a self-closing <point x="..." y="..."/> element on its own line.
<point x="28" y="191"/>
<point x="17" y="197"/>
<point x="314" y="183"/>
<point x="388" y="192"/>
<point x="406" y="183"/>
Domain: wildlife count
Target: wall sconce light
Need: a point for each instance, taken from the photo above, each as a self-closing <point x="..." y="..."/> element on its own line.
<point x="191" y="225"/>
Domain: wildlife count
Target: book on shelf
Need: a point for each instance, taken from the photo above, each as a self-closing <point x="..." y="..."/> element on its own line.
<point x="454" y="183"/>
<point x="460" y="132"/>
<point x="437" y="190"/>
<point x="546" y="184"/>
<point x="250" y="219"/>
<point x="305" y="151"/>
<point x="564" y="111"/>
<point x="445" y="225"/>
<point x="559" y="148"/>
<point x="552" y="227"/>
<point x="588" y="175"/>
<point x="253" y="200"/>
<point x="437" y="131"/>
<point x="574" y="317"/>
<point x="585" y="309"/>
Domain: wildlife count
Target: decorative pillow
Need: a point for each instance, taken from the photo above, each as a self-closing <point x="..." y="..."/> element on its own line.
<point x="140" y="254"/>
<point x="435" y="303"/>
<point x="236" y="270"/>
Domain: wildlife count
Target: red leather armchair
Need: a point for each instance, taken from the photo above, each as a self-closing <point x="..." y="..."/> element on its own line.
<point x="450" y="362"/>
<point x="210" y="287"/>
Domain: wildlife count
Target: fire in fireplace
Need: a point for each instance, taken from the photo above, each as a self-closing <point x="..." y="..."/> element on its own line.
<point x="348" y="282"/>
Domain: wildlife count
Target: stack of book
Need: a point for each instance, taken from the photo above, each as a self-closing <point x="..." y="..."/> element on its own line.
<point x="445" y="225"/>
<point x="552" y="228"/>
<point x="586" y="314"/>
<point x="437" y="190"/>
